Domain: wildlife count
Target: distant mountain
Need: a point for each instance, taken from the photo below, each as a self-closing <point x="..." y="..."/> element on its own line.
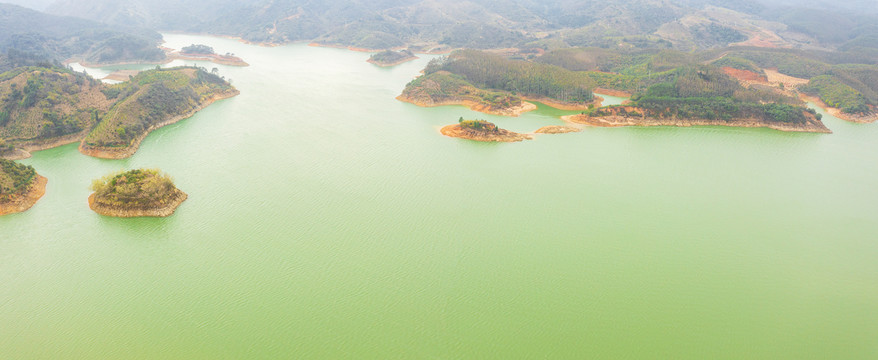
<point x="378" y="24"/>
<point x="28" y="36"/>
<point x="39" y="5"/>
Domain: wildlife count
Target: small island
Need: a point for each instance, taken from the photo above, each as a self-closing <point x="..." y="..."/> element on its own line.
<point x="392" y="58"/>
<point x="206" y="53"/>
<point x="136" y="193"/>
<point x="20" y="187"/>
<point x="481" y="130"/>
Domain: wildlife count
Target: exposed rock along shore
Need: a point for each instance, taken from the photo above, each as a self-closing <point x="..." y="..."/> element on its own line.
<point x="500" y="135"/>
<point x="475" y="106"/>
<point x="128" y="151"/>
<point x="29" y="199"/>
<point x="814" y="125"/>
<point x="123" y="212"/>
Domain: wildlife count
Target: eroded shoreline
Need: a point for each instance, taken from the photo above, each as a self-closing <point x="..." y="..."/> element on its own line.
<point x="28" y="200"/>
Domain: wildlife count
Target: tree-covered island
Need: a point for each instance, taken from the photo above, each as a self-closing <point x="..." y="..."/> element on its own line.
<point x="136" y="193"/>
<point x="481" y="130"/>
<point x="391" y="58"/>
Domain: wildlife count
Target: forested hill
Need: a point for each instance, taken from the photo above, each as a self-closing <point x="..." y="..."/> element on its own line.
<point x="683" y="24"/>
<point x="28" y="36"/>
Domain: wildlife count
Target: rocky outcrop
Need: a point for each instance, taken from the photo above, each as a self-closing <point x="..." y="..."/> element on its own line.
<point x="517" y="110"/>
<point x="557" y="130"/>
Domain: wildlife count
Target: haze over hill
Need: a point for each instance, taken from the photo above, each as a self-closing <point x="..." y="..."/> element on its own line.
<point x="383" y="24"/>
<point x="28" y="36"/>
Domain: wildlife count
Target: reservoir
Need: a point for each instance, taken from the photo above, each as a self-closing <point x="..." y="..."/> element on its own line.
<point x="326" y="219"/>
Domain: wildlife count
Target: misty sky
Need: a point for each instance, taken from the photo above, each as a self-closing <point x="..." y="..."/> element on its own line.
<point x="33" y="4"/>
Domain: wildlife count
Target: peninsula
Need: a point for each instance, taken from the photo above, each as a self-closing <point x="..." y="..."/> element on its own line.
<point x="481" y="130"/>
<point x="42" y="107"/>
<point x="136" y="193"/>
<point x="151" y="100"/>
<point x="20" y="187"/>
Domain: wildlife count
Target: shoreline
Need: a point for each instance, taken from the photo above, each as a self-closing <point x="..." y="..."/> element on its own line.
<point x="565" y="106"/>
<point x="556" y="129"/>
<point x="26" y="147"/>
<point x="28" y="200"/>
<point x="514" y="111"/>
<point x="625" y="121"/>
<point x="214" y="58"/>
<point x="107" y="210"/>
<point x="502" y="135"/>
<point x="130" y="150"/>
<point x="857" y="119"/>
<point x="611" y="92"/>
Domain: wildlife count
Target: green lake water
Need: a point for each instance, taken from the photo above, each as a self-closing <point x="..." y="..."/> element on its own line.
<point x="328" y="220"/>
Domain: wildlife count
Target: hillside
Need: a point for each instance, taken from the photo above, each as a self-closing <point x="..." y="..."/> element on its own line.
<point x="28" y="36"/>
<point x="705" y="95"/>
<point x="20" y="187"/>
<point x="46" y="107"/>
<point x="150" y="100"/>
<point x="483" y="24"/>
<point x="40" y="106"/>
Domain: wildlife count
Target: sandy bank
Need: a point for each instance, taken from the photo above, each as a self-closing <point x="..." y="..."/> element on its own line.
<point x="500" y="135"/>
<point x="565" y="105"/>
<point x="125" y="152"/>
<point x="26" y="201"/>
<point x="214" y="58"/>
<point x="860" y="119"/>
<point x="475" y="106"/>
<point x="398" y="62"/>
<point x="611" y="92"/>
<point x="554" y="129"/>
<point x="814" y="126"/>
<point x="123" y="212"/>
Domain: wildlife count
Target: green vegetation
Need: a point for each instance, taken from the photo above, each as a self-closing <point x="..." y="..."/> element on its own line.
<point x="138" y="188"/>
<point x="442" y="86"/>
<point x="705" y="92"/>
<point x="391" y="57"/>
<point x="737" y="63"/>
<point x="43" y="103"/>
<point x="14" y="178"/>
<point x="837" y="94"/>
<point x="479" y="125"/>
<point x="197" y="49"/>
<point x="487" y="71"/>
